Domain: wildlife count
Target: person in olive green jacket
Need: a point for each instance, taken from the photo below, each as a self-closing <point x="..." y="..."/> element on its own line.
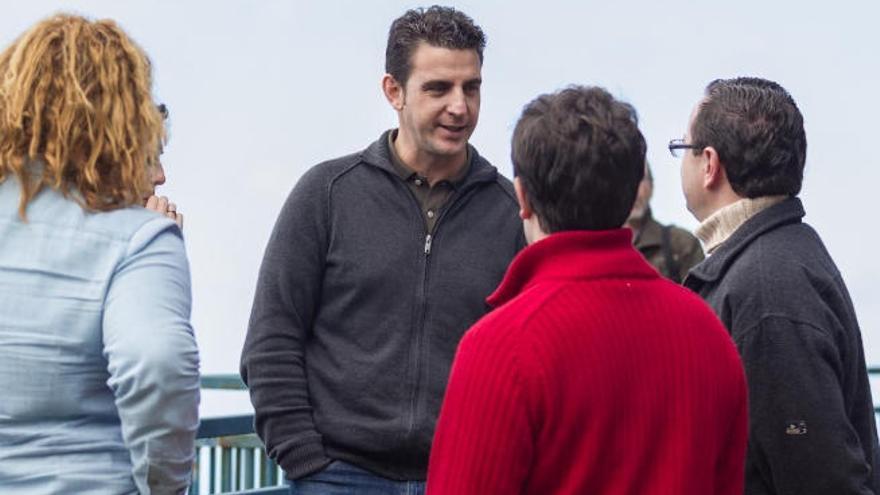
<point x="670" y="249"/>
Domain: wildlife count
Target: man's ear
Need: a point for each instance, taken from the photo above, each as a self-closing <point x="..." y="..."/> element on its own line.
<point x="714" y="175"/>
<point x="525" y="209"/>
<point x="394" y="92"/>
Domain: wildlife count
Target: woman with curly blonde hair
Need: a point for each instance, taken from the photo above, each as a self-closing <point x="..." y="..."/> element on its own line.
<point x="98" y="362"/>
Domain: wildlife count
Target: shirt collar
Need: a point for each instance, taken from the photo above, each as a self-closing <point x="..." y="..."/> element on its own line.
<point x="649" y="233"/>
<point x="406" y="173"/>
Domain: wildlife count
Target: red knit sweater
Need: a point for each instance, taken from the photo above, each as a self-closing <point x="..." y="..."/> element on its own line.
<point x="594" y="375"/>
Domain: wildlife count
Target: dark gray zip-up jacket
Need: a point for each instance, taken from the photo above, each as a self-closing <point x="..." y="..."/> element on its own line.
<point x="811" y="417"/>
<point x="358" y="311"/>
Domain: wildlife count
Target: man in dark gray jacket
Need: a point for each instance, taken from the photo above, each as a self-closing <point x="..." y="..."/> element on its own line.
<point x="378" y="263"/>
<point x="773" y="284"/>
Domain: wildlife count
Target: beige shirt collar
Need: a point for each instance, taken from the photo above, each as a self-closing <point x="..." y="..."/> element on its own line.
<point x="719" y="226"/>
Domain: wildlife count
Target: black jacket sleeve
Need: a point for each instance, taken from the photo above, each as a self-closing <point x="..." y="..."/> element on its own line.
<point x="286" y="299"/>
<point x="800" y="438"/>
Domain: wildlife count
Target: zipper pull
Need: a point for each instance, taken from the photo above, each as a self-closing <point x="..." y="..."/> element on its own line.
<point x="428" y="244"/>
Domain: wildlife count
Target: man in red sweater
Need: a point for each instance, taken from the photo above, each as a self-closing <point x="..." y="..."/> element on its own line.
<point x="593" y="374"/>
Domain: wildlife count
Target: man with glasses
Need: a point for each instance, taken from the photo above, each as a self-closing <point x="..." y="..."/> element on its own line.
<point x="773" y="284"/>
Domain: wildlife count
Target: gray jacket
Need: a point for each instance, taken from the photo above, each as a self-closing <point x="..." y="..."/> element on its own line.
<point x="358" y="311"/>
<point x="811" y="418"/>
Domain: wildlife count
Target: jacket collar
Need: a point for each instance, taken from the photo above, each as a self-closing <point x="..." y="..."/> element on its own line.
<point x="715" y="229"/>
<point x="790" y="210"/>
<point x="379" y="155"/>
<point x="650" y="234"/>
<point x="573" y="255"/>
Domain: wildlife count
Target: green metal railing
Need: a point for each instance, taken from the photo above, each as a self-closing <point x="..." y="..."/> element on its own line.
<point x="223" y="382"/>
<point x="235" y="458"/>
<point x="237" y="461"/>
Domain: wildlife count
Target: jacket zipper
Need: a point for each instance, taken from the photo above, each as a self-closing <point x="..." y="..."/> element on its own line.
<point x="423" y="301"/>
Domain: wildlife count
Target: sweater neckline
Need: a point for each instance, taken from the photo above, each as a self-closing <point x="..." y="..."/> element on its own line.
<point x="790" y="210"/>
<point x="573" y="255"/>
<point x="478" y="170"/>
<point x="719" y="226"/>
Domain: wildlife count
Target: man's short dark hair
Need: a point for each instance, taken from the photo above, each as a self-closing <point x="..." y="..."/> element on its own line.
<point x="580" y="156"/>
<point x="438" y="26"/>
<point x="758" y="132"/>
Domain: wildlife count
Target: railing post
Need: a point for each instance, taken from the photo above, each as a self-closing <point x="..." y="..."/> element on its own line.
<point x="250" y="460"/>
<point x="194" y="484"/>
<point x="212" y="486"/>
<point x="234" y="465"/>
<point x="226" y="469"/>
<point x="270" y="473"/>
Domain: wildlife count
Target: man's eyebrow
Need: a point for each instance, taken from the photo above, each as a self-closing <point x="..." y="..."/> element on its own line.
<point x="436" y="84"/>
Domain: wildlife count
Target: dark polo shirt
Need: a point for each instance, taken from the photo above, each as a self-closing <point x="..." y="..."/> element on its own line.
<point x="430" y="198"/>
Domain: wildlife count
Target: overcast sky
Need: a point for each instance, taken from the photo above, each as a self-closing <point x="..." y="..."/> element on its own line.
<point x="261" y="91"/>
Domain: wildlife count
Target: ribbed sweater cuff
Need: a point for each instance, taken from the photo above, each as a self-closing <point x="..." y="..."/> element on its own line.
<point x="303" y="460"/>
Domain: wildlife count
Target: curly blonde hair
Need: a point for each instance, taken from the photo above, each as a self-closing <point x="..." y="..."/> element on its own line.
<point x="77" y="114"/>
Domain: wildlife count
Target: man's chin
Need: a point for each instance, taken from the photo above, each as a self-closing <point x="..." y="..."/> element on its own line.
<point x="449" y="152"/>
<point x="451" y="147"/>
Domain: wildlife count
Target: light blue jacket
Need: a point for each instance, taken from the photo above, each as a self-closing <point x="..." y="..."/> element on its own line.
<point x="99" y="382"/>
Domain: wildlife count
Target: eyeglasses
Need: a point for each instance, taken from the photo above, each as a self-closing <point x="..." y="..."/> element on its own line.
<point x="676" y="145"/>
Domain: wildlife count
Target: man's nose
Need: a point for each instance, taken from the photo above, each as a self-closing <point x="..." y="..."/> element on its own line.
<point x="458" y="103"/>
